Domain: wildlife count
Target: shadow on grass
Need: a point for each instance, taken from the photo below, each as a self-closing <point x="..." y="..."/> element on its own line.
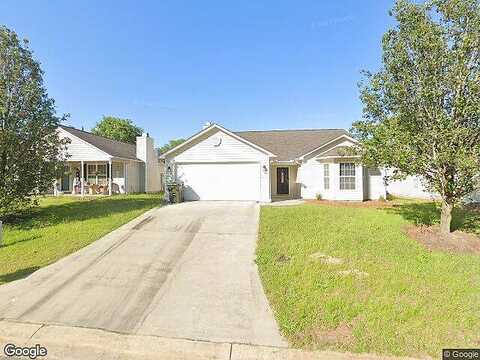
<point x="81" y="210"/>
<point x="26" y="239"/>
<point x="18" y="274"/>
<point x="464" y="218"/>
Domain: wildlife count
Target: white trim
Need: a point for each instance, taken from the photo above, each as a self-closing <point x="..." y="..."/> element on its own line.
<point x="328" y="143"/>
<point x="95" y="175"/>
<point x="82" y="176"/>
<point x="326" y="176"/>
<point x="228" y="132"/>
<point x="354" y="176"/>
<point x="125" y="177"/>
<point x="110" y="182"/>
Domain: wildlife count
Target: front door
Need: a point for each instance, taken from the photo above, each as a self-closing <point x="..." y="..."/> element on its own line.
<point x="282" y="181"/>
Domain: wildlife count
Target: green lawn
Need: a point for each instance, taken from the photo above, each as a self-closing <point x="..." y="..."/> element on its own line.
<point x="412" y="302"/>
<point x="62" y="225"/>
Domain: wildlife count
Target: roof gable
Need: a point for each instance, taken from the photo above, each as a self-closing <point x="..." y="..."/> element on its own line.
<point x="217" y="146"/>
<point x="77" y="150"/>
<point x="344" y="139"/>
<point x="113" y="148"/>
<point x="338" y="151"/>
<point x="292" y="144"/>
<point x="212" y="129"/>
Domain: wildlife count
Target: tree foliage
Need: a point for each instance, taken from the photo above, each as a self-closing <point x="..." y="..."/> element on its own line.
<point x="117" y="129"/>
<point x="422" y="109"/>
<point x="30" y="149"/>
<point x="170" y="145"/>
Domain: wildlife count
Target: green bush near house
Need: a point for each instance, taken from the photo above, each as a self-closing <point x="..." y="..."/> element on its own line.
<point x="355" y="282"/>
<point x="61" y="226"/>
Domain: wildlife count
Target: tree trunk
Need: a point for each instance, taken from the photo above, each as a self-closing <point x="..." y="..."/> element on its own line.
<point x="446" y="217"/>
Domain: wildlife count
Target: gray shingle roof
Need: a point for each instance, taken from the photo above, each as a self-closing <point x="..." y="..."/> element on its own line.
<point x="112" y="147"/>
<point x="338" y="151"/>
<point x="291" y="144"/>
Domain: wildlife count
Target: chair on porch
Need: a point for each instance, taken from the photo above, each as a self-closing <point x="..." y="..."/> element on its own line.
<point x="93" y="189"/>
<point x="104" y="189"/>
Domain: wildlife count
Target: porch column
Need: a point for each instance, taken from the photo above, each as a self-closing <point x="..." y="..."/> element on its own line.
<point x="82" y="191"/>
<point x="360" y="169"/>
<point x="55" y="190"/>
<point x="110" y="177"/>
<point x="124" y="177"/>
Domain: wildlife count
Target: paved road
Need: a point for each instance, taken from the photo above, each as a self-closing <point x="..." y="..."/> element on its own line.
<point x="183" y="271"/>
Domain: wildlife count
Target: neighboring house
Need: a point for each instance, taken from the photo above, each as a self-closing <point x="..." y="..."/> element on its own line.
<point x="218" y="164"/>
<point x="412" y="187"/>
<point x="97" y="165"/>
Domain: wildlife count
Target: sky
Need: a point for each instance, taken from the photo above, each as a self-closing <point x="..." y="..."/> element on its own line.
<point x="171" y="66"/>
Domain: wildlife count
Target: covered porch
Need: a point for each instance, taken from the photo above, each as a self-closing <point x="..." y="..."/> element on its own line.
<point x="93" y="178"/>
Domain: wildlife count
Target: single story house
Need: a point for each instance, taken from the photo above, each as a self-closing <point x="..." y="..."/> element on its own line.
<point x="219" y="164"/>
<point x="97" y="165"/>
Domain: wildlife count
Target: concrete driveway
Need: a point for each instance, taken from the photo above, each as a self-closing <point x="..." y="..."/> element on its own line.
<point x="182" y="271"/>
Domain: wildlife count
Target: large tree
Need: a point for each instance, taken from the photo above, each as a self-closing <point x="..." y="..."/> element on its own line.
<point x="30" y="149"/>
<point x="117" y="129"/>
<point x="422" y="109"/>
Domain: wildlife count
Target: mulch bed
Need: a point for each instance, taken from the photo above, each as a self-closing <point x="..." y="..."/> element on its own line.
<point x="432" y="239"/>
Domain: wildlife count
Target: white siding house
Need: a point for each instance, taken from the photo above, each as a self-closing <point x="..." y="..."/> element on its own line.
<point x="218" y="164"/>
<point x="96" y="165"/>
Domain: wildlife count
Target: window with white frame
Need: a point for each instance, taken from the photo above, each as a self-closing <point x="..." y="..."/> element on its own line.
<point x="97" y="174"/>
<point x="117" y="170"/>
<point x="326" y="176"/>
<point x="347" y="176"/>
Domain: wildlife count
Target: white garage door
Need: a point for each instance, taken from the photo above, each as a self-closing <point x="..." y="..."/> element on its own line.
<point x="239" y="181"/>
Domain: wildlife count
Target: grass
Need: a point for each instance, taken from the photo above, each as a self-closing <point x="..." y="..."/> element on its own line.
<point x="62" y="225"/>
<point x="413" y="302"/>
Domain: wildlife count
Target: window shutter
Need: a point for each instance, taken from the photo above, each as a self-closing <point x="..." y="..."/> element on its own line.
<point x="84" y="171"/>
<point x="108" y="171"/>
